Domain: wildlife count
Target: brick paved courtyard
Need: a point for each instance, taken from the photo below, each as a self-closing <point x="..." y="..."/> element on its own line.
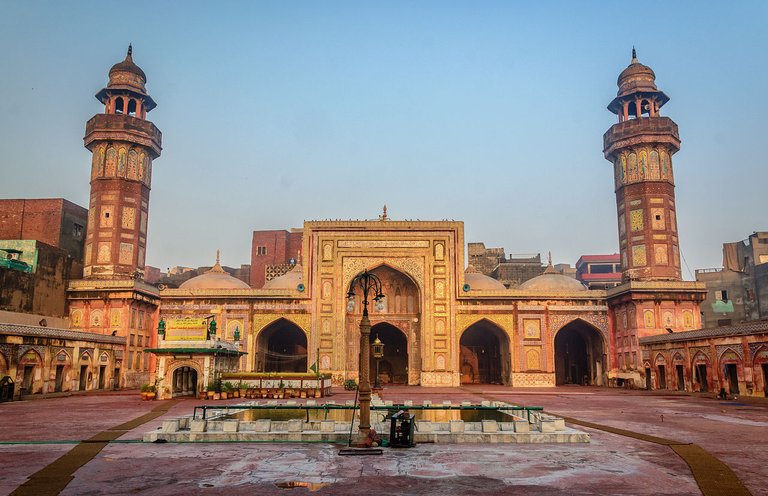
<point x="35" y="433"/>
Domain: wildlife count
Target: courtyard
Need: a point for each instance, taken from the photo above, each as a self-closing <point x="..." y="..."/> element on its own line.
<point x="635" y="440"/>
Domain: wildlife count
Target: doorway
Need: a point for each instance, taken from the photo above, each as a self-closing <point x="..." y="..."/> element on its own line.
<point x="184" y="381"/>
<point x="281" y="347"/>
<point x="483" y="348"/>
<point x="393" y="366"/>
<point x="578" y="354"/>
<point x="680" y="378"/>
<point x="648" y="383"/>
<point x="662" y="377"/>
<point x="731" y="375"/>
<point x="102" y="374"/>
<point x="701" y="370"/>
<point x="29" y="376"/>
<point x="59" y="379"/>
<point x="116" y="378"/>
<point x="83" y="377"/>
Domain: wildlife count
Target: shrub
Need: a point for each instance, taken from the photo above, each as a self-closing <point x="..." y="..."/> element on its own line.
<point x="350" y="385"/>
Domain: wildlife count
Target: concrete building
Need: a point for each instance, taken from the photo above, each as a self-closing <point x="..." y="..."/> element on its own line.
<point x="512" y="271"/>
<point x="738" y="292"/>
<point x="599" y="271"/>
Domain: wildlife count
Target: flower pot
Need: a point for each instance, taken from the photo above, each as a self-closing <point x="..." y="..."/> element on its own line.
<point x="151" y="395"/>
<point x="202" y="395"/>
<point x="211" y="395"/>
<point x="216" y="396"/>
<point x="144" y="396"/>
<point x="303" y="394"/>
<point x="236" y="393"/>
<point x="318" y="393"/>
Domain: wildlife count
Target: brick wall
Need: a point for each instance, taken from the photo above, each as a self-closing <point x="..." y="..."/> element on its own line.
<point x="278" y="246"/>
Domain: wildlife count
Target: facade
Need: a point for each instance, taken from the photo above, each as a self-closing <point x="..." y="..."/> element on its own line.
<point x="49" y="360"/>
<point x="733" y="358"/>
<point x="599" y="271"/>
<point x="443" y="322"/>
<point x="738" y="292"/>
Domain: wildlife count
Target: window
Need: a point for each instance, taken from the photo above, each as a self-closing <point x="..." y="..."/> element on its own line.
<point x="77" y="231"/>
<point x="261" y="250"/>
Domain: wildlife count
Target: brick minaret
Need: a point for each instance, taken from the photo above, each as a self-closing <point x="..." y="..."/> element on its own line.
<point x="640" y="147"/>
<point x="123" y="144"/>
<point x="113" y="298"/>
<point x="652" y="297"/>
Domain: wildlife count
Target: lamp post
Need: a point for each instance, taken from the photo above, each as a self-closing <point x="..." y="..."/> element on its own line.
<point x="370" y="285"/>
<point x="378" y="352"/>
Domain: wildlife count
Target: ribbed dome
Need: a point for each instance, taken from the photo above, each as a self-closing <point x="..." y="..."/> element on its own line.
<point x="479" y="281"/>
<point x="289" y="280"/>
<point x="636" y="78"/>
<point x="216" y="278"/>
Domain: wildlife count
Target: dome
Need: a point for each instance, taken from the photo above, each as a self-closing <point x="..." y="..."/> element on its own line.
<point x="128" y="76"/>
<point x="550" y="280"/>
<point x="636" y="78"/>
<point x="478" y="281"/>
<point x="289" y="280"/>
<point x="216" y="278"/>
<point x="128" y="65"/>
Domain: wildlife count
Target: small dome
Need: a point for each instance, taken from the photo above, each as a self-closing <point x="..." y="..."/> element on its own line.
<point x="289" y="280"/>
<point x="479" y="281"/>
<point x="636" y="78"/>
<point x="128" y="76"/>
<point x="216" y="278"/>
<point x="128" y="65"/>
<point x="551" y="280"/>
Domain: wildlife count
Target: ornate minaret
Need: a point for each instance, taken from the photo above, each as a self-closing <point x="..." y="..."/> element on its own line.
<point x="113" y="299"/>
<point x="640" y="147"/>
<point x="652" y="298"/>
<point x="123" y="144"/>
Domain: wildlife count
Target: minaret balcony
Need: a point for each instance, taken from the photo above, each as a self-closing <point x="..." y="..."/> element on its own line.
<point x="645" y="130"/>
<point x="121" y="127"/>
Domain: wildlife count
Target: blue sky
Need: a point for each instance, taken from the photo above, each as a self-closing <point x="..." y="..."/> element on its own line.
<point x="487" y="112"/>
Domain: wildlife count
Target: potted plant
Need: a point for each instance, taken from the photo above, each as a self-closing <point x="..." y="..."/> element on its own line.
<point x="281" y="389"/>
<point x="230" y="389"/>
<point x="350" y="385"/>
<point x="243" y="387"/>
<point x="151" y="392"/>
<point x="145" y="392"/>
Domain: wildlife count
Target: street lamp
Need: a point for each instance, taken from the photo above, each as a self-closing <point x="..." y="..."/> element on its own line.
<point x="378" y="352"/>
<point x="370" y="284"/>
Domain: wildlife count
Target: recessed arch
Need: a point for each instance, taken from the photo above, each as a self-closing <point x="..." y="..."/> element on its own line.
<point x="484" y="353"/>
<point x="185" y="377"/>
<point x="281" y="346"/>
<point x="579" y="353"/>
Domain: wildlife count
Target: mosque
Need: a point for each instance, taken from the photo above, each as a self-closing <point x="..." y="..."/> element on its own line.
<point x="443" y="323"/>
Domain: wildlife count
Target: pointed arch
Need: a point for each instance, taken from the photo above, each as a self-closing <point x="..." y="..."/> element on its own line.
<point x="579" y="353"/>
<point x="281" y="346"/>
<point x="484" y="353"/>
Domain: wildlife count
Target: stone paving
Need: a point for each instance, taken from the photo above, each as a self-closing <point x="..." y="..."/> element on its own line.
<point x="735" y="432"/>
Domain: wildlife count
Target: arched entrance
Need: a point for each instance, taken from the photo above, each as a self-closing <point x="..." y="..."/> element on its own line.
<point x="398" y="321"/>
<point x="393" y="366"/>
<point x="184" y="381"/>
<point x="281" y="347"/>
<point x="483" y="350"/>
<point x="579" y="349"/>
